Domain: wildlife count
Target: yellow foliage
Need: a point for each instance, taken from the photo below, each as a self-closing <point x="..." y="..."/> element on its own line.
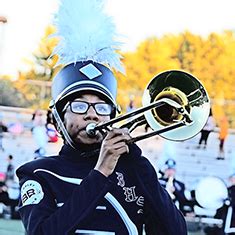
<point x="211" y="59"/>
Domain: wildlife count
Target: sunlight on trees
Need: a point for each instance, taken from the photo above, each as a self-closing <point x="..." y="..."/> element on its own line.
<point x="211" y="59"/>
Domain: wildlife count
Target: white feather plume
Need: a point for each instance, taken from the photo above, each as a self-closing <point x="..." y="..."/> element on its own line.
<point x="86" y="33"/>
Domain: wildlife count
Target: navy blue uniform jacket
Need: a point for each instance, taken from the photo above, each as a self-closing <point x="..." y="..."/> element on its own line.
<point x="179" y="194"/>
<point x="65" y="195"/>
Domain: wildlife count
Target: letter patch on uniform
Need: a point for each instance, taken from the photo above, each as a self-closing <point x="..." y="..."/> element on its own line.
<point x="31" y="193"/>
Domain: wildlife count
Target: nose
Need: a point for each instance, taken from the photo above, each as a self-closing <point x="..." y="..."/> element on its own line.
<point x="91" y="114"/>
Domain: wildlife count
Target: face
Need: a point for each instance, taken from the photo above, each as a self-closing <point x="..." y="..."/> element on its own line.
<point x="76" y="123"/>
<point x="169" y="172"/>
<point x="232" y="180"/>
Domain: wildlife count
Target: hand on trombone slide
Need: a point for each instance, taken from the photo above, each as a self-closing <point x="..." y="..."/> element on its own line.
<point x="113" y="146"/>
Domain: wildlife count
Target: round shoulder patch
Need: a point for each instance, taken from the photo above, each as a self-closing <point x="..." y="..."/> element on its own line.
<point x="31" y="193"/>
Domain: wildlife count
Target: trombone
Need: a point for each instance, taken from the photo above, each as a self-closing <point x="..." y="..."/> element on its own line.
<point x="175" y="105"/>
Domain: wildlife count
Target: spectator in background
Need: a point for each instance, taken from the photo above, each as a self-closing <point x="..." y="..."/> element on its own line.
<point x="223" y="133"/>
<point x="226" y="213"/>
<point x="229" y="223"/>
<point x="210" y="125"/>
<point x="3" y="128"/>
<point x="131" y="106"/>
<point x="51" y="130"/>
<point x="6" y="199"/>
<point x="10" y="172"/>
<point x="175" y="188"/>
<point x="3" y="192"/>
<point x="49" y="117"/>
<point x="39" y="133"/>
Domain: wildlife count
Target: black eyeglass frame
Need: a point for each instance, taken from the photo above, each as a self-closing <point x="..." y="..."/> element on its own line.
<point x="93" y="105"/>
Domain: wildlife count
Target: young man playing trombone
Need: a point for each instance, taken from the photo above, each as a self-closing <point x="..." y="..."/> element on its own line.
<point x="97" y="184"/>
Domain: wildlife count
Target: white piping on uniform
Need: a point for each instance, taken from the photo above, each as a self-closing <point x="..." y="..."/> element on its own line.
<point x="109" y="197"/>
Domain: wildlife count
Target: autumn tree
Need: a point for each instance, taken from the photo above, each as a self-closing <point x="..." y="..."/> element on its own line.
<point x="35" y="83"/>
<point x="210" y="59"/>
<point x="10" y="96"/>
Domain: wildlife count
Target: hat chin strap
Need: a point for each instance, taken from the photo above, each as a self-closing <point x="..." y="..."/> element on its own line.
<point x="62" y="127"/>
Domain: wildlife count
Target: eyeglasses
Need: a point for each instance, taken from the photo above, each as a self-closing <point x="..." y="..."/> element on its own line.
<point x="81" y="107"/>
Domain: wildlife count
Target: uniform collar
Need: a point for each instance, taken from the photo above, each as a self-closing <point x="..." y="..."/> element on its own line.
<point x="82" y="153"/>
<point x="91" y="152"/>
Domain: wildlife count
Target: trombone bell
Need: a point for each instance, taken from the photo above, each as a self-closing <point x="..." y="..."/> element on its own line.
<point x="166" y="114"/>
<point x="175" y="105"/>
<point x="188" y="92"/>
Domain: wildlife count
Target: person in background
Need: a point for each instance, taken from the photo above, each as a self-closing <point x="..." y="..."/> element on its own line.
<point x="3" y="128"/>
<point x="12" y="193"/>
<point x="226" y="213"/>
<point x="131" y="106"/>
<point x="10" y="172"/>
<point x="39" y="133"/>
<point x="6" y="199"/>
<point x="223" y="133"/>
<point x="229" y="223"/>
<point x="3" y="193"/>
<point x="51" y="130"/>
<point x="98" y="183"/>
<point x="176" y="188"/>
<point x="206" y="130"/>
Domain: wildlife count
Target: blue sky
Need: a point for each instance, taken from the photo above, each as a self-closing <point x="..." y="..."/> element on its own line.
<point x="135" y="20"/>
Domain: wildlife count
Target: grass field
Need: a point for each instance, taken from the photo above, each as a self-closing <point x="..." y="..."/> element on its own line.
<point x="11" y="227"/>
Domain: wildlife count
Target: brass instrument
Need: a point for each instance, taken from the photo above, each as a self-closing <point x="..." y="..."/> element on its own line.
<point x="175" y="105"/>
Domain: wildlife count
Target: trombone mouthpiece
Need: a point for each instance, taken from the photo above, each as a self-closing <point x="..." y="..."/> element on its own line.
<point x="90" y="129"/>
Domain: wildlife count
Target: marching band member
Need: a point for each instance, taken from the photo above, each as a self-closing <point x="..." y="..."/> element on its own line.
<point x="101" y="184"/>
<point x="175" y="188"/>
<point x="225" y="213"/>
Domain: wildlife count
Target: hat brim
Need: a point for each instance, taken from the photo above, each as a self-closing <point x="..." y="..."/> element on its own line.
<point x="87" y="86"/>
